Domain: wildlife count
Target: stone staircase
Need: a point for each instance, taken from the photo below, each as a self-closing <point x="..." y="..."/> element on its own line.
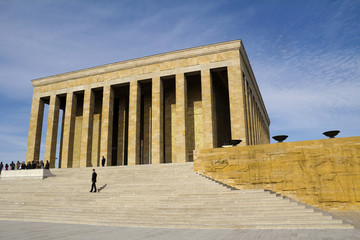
<point x="163" y="196"/>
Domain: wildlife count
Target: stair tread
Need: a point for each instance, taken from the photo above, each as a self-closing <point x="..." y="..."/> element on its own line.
<point x="159" y="195"/>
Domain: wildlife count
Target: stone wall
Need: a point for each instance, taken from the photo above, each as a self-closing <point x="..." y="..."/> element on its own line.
<point x="323" y="173"/>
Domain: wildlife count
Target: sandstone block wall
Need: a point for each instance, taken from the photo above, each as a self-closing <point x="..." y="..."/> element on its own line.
<point x="323" y="173"/>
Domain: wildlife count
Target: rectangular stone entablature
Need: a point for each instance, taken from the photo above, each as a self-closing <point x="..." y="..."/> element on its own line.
<point x="145" y="67"/>
<point x="63" y="87"/>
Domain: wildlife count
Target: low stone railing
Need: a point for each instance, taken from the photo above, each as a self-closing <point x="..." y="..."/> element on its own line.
<point x="28" y="174"/>
<point x="323" y="173"/>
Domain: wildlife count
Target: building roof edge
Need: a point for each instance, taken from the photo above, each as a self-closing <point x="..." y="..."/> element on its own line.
<point x="131" y="63"/>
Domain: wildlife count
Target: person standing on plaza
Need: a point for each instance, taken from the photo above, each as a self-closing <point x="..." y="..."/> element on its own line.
<point x="47" y="165"/>
<point x="93" y="180"/>
<point x="103" y="161"/>
<point x="1" y="166"/>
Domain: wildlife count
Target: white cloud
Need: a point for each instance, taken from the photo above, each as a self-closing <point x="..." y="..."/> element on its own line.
<point x="307" y="63"/>
<point x="306" y="90"/>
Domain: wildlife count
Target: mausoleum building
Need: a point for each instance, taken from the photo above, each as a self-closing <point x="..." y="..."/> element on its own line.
<point x="149" y="110"/>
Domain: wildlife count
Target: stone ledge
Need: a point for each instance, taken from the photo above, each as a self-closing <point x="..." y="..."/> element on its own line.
<point x="29" y="174"/>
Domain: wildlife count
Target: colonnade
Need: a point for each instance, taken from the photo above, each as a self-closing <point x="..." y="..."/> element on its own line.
<point x="257" y="125"/>
<point x="89" y="114"/>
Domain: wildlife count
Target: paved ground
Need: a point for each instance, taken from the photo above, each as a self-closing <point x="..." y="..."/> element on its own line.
<point x="46" y="231"/>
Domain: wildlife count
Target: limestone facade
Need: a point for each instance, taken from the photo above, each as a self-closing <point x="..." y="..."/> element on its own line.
<point x="150" y="110"/>
<point x="323" y="173"/>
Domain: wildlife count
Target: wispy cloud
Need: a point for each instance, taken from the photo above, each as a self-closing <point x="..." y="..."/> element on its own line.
<point x="311" y="90"/>
<point x="54" y="37"/>
<point x="305" y="55"/>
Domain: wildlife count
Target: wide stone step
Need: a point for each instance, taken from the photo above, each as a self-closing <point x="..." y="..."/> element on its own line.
<point x="221" y="225"/>
<point x="134" y="209"/>
<point x="172" y="196"/>
<point x="176" y="220"/>
<point x="178" y="214"/>
<point x="153" y="204"/>
<point x="128" y="214"/>
<point x="142" y="206"/>
<point x="144" y="200"/>
<point x="162" y="195"/>
<point x="151" y="214"/>
<point x="147" y="194"/>
<point x="168" y="207"/>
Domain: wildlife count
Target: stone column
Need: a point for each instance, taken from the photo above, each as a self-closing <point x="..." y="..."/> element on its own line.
<point x="237" y="103"/>
<point x="157" y="153"/>
<point x="181" y="107"/>
<point x="52" y="129"/>
<point x="107" y="113"/>
<point x="247" y="112"/>
<point x="69" y="130"/>
<point x="134" y="124"/>
<point x="263" y="132"/>
<point x="253" y="120"/>
<point x="121" y="131"/>
<point x="35" y="127"/>
<point x="86" y="132"/>
<point x="257" y="124"/>
<point x="260" y="127"/>
<point x="208" y="103"/>
<point x="61" y="138"/>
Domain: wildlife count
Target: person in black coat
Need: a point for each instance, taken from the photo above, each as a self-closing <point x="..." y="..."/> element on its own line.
<point x="93" y="180"/>
<point x="103" y="161"/>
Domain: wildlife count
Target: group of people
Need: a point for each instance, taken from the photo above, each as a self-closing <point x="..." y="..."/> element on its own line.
<point x="22" y="166"/>
<point x="40" y="165"/>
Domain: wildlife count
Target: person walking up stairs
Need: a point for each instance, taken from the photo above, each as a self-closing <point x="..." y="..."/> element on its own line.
<point x="93" y="179"/>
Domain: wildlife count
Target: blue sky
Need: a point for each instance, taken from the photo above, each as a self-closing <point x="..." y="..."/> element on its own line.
<point x="305" y="54"/>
